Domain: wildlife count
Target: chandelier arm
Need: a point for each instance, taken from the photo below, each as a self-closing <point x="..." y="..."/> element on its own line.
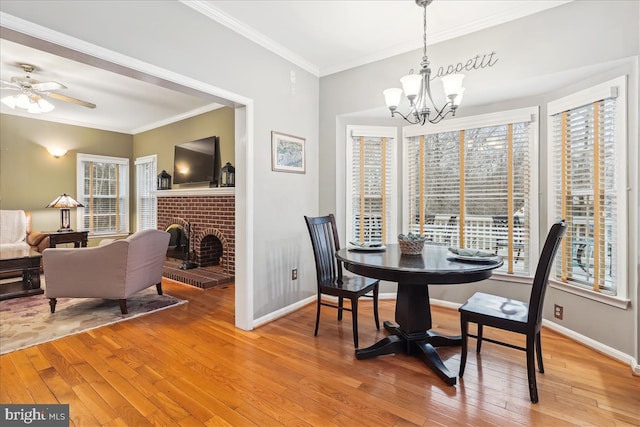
<point x="441" y="114"/>
<point x="408" y="117"/>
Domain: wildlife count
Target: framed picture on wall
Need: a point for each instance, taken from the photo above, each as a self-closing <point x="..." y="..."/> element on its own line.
<point x="287" y="153"/>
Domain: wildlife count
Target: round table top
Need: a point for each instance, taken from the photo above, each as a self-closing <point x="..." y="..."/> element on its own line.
<point x="436" y="265"/>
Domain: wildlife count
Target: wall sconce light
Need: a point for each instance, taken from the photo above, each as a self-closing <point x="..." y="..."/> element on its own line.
<point x="57" y="152"/>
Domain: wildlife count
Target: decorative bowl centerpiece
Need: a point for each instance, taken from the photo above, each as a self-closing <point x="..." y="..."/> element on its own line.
<point x="411" y="244"/>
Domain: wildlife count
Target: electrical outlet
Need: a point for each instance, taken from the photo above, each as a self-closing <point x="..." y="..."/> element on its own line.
<point x="294" y="274"/>
<point x="558" y="311"/>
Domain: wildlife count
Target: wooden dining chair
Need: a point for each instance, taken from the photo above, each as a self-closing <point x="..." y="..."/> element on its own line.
<point x="331" y="281"/>
<point x="512" y="315"/>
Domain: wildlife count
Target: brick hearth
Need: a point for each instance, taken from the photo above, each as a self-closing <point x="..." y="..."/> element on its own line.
<point x="211" y="214"/>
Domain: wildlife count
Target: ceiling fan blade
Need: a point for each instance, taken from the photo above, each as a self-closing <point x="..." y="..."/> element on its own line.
<point x="70" y="99"/>
<point x="48" y="86"/>
<point x="9" y="85"/>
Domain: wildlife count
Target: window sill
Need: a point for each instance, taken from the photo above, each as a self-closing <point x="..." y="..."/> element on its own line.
<point x="596" y="296"/>
<point x="512" y="278"/>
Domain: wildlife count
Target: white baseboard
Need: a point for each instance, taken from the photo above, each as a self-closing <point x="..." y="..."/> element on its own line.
<point x="595" y="345"/>
<point x="589" y="342"/>
<point x="283" y="311"/>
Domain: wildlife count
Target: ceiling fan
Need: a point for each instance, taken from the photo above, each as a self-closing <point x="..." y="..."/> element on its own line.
<point x="33" y="92"/>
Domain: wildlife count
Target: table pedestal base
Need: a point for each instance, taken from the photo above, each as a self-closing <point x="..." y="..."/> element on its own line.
<point x="420" y="342"/>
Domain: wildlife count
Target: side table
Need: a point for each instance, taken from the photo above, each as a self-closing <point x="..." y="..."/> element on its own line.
<point x="78" y="238"/>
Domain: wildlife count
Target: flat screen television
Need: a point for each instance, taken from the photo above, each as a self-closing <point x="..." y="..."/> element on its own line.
<point x="197" y="161"/>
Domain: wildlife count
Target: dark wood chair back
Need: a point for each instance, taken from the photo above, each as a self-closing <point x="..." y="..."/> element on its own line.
<point x="540" y="280"/>
<point x="325" y="243"/>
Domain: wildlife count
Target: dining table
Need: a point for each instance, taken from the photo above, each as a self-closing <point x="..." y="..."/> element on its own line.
<point x="411" y="332"/>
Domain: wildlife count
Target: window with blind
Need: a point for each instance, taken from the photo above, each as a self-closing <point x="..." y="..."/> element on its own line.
<point x="146" y="201"/>
<point x="472" y="183"/>
<point x="371" y="186"/>
<point x="103" y="189"/>
<point x="587" y="136"/>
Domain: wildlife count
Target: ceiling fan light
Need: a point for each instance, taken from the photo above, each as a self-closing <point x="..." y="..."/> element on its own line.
<point x="45" y="106"/>
<point x="9" y="101"/>
<point x="23" y="101"/>
<point x="34" y="108"/>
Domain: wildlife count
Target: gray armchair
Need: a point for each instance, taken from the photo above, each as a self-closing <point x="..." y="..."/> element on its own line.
<point x="114" y="270"/>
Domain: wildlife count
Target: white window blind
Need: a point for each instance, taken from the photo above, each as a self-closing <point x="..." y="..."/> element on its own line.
<point x="103" y="189"/>
<point x="371" y="188"/>
<point x="473" y="186"/>
<point x="588" y="188"/>
<point x="146" y="201"/>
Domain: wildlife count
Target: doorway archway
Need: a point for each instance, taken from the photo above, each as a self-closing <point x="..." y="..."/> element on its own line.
<point x="37" y="37"/>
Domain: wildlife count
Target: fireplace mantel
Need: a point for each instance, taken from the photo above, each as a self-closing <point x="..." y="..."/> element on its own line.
<point x="180" y="192"/>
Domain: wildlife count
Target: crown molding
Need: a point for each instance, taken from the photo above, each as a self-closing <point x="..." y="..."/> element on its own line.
<point x="519" y="11"/>
<point x="250" y="33"/>
<point x="177" y="118"/>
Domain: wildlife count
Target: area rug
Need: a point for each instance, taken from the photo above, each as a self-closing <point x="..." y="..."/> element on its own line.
<point x="28" y="321"/>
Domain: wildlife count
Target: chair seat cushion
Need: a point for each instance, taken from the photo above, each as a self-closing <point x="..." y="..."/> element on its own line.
<point x="493" y="306"/>
<point x="357" y="284"/>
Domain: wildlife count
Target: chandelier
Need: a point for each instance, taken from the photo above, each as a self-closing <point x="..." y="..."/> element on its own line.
<point x="418" y="92"/>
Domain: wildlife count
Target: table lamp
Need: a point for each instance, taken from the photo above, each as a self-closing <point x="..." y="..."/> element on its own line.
<point x="64" y="202"/>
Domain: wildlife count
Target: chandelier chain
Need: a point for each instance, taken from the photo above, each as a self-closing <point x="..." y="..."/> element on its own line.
<point x="424" y="32"/>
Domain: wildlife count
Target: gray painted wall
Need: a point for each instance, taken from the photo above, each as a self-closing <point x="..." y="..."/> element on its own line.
<point x="173" y="36"/>
<point x="540" y="58"/>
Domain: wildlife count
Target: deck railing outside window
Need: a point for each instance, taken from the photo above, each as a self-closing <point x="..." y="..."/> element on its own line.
<point x="462" y="175"/>
<point x="371" y="188"/>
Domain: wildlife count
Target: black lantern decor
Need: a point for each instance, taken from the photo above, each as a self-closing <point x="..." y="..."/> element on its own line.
<point x="164" y="181"/>
<point x="228" y="175"/>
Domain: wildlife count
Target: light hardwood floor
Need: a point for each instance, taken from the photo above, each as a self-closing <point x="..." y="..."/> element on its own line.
<point x="190" y="366"/>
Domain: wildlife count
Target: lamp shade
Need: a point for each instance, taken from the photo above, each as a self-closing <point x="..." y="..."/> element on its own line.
<point x="411" y="84"/>
<point x="392" y="97"/>
<point x="452" y="84"/>
<point x="65" y="201"/>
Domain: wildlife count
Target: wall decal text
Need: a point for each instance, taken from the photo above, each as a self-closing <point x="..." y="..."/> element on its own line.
<point x="474" y="63"/>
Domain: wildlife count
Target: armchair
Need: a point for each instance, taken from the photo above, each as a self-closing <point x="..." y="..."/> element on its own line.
<point x="114" y="270"/>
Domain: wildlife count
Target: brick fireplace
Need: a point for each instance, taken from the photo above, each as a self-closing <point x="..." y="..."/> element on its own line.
<point x="210" y="212"/>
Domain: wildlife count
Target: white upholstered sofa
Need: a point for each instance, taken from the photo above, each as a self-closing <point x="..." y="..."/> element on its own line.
<point x="115" y="270"/>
